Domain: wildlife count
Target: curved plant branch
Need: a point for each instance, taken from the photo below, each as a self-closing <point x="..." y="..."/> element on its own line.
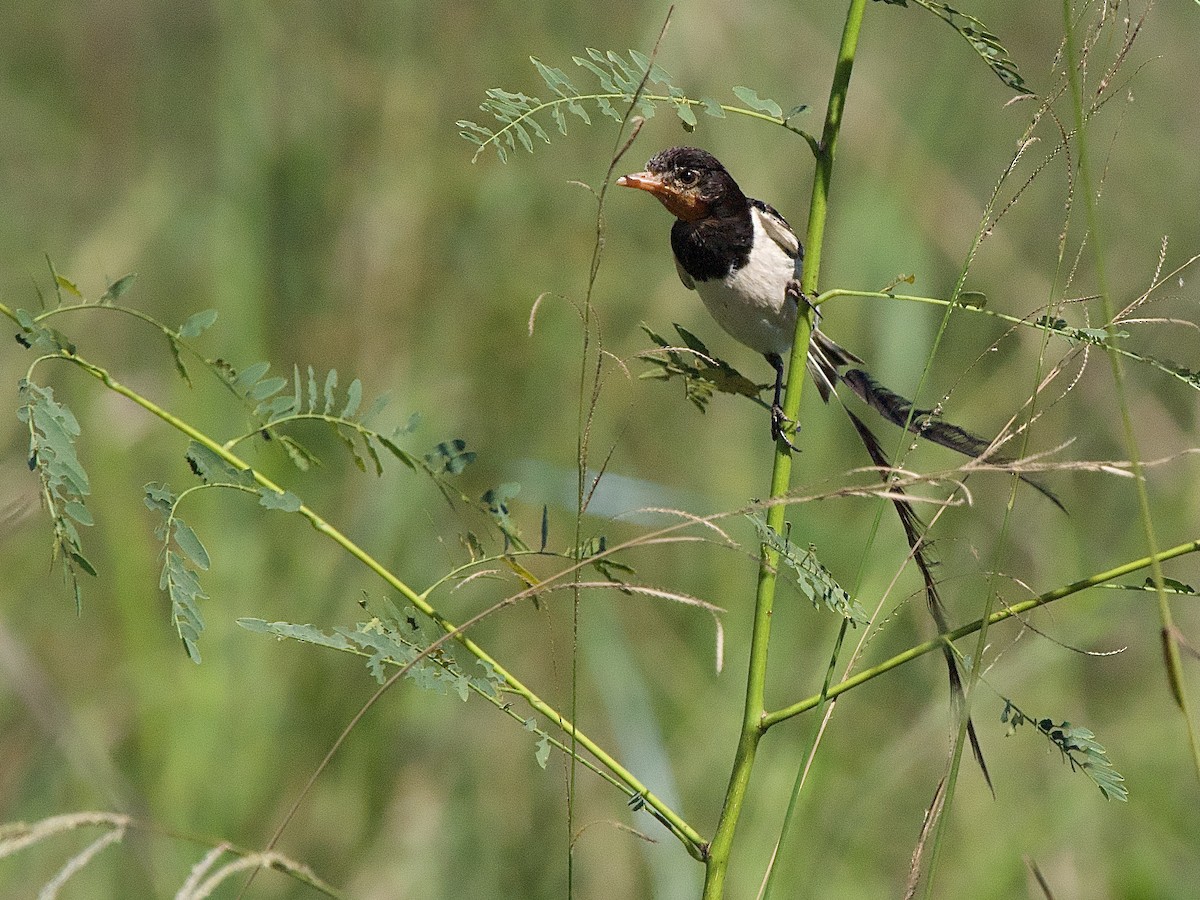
<point x="1013" y="610"/>
<point x="1100" y="337"/>
<point x="419" y="599"/>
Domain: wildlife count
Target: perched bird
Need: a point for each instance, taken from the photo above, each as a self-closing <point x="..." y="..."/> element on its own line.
<point x="744" y="261"/>
<point x="740" y="256"/>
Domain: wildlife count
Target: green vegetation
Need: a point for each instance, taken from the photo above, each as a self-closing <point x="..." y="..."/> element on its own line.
<point x="557" y="515"/>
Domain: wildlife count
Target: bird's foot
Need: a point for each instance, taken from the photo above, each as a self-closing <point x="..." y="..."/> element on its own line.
<point x="782" y="427"/>
<point x="796" y="294"/>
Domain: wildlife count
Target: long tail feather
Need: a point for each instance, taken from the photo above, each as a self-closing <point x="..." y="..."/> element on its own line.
<point x="825" y="361"/>
<point x="924" y="423"/>
<point x="914" y="531"/>
<point x="825" y="358"/>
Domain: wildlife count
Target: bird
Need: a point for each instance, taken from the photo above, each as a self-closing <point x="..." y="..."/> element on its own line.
<point x="745" y="261"/>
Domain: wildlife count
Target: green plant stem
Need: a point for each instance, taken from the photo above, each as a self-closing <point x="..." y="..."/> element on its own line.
<point x="753" y="723"/>
<point x="690" y="838"/>
<point x="1170" y="642"/>
<point x="810" y="753"/>
<point x="1016" y="609"/>
<point x="1068" y="333"/>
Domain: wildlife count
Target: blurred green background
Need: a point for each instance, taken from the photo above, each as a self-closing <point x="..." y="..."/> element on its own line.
<point x="296" y="166"/>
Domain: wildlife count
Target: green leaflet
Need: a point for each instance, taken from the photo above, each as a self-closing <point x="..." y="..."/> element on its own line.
<point x="53" y="429"/>
<point x="750" y="97"/>
<point x="450" y="457"/>
<point x="812" y="578"/>
<point x="198" y="323"/>
<point x="982" y="41"/>
<point x="118" y="287"/>
<point x="1078" y="747"/>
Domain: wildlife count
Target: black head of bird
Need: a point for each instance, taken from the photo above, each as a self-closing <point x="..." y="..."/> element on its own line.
<point x="691" y="183"/>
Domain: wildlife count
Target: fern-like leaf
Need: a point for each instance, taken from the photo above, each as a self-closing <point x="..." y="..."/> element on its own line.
<point x="53" y="429"/>
<point x="396" y="640"/>
<point x="809" y="575"/>
<point x="703" y="373"/>
<point x="277" y="401"/>
<point x="623" y="79"/>
<point x="182" y="554"/>
<point x="1078" y="747"/>
<point x="1102" y="337"/>
<point x="982" y="41"/>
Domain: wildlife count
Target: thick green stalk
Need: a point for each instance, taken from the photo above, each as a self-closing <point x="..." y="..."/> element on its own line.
<point x="753" y="727"/>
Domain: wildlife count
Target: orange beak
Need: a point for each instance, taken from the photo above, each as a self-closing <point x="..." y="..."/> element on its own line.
<point x="645" y="181"/>
<point x="681" y="205"/>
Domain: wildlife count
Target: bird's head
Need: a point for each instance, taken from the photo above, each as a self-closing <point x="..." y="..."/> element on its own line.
<point x="691" y="183"/>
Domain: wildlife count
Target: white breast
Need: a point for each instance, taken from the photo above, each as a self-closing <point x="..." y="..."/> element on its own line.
<point x="750" y="304"/>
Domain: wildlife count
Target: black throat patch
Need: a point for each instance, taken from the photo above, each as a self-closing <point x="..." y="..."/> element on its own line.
<point x="713" y="247"/>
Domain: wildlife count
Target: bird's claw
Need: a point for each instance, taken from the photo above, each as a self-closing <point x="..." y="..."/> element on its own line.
<point x="796" y="294"/>
<point x="781" y="427"/>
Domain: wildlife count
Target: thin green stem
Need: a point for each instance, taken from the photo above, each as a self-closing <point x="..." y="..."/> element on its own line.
<point x="753" y="725"/>
<point x="1170" y="642"/>
<point x="810" y="753"/>
<point x="1066" y="332"/>
<point x="1015" y="609"/>
<point x="127" y="310"/>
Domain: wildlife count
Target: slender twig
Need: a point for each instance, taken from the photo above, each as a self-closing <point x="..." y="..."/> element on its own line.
<point x="1063" y="330"/>
<point x="1011" y="611"/>
<point x="590" y="383"/>
<point x="1170" y="642"/>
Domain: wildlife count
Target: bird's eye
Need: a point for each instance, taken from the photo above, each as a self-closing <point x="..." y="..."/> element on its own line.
<point x="689" y="177"/>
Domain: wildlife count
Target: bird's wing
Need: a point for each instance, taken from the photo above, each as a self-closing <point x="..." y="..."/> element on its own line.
<point x="688" y="281"/>
<point x="777" y="228"/>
